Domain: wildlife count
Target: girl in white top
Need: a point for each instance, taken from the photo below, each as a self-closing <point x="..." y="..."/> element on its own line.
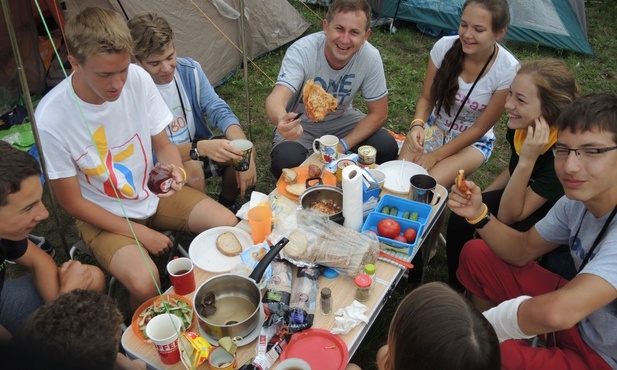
<point x="440" y="140"/>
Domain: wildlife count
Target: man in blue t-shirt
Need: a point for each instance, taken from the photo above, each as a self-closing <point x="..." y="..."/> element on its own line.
<point x="21" y="209"/>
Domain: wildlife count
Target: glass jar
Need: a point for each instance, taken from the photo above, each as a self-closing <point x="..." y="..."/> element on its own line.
<point x="363" y="287"/>
<point x="160" y="178"/>
<point x="326" y="301"/>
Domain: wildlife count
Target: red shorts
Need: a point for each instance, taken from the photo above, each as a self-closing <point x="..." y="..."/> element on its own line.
<point x="488" y="277"/>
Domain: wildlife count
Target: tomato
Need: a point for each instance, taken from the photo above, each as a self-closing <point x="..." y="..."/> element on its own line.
<point x="388" y="228"/>
<point x="400" y="238"/>
<point x="410" y="235"/>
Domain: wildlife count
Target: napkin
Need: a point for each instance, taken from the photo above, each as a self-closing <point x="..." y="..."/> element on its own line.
<point x="349" y="317"/>
<point x="256" y="199"/>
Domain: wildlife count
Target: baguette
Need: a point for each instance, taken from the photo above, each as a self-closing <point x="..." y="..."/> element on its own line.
<point x="228" y="244"/>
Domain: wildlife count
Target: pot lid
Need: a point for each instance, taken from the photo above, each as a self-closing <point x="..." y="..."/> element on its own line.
<point x="320" y="348"/>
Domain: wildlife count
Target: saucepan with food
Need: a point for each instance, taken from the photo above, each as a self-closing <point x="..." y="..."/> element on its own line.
<point x="228" y="305"/>
<point x="327" y="199"/>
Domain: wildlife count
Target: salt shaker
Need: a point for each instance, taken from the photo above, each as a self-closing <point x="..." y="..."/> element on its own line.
<point x="326" y="301"/>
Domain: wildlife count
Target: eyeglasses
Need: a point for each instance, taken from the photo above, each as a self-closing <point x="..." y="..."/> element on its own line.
<point x="563" y="152"/>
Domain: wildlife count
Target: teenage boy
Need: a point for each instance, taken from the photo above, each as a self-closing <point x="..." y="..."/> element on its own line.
<point x="344" y="63"/>
<point x="190" y="97"/>
<point x="577" y="318"/>
<point x="99" y="129"/>
<point x="21" y="209"/>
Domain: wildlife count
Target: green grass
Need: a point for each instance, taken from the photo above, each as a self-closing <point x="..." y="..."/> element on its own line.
<point x="405" y="55"/>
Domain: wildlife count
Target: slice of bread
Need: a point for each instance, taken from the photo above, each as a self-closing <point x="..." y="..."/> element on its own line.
<point x="290" y="175"/>
<point x="297" y="245"/>
<point x="228" y="244"/>
<point x="296" y="189"/>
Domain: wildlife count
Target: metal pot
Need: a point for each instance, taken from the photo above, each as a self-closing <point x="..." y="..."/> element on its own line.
<point x="321" y="192"/>
<point x="236" y="300"/>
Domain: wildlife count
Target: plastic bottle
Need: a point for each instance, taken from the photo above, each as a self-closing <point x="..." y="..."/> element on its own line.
<point x="369" y="269"/>
<point x="326" y="301"/>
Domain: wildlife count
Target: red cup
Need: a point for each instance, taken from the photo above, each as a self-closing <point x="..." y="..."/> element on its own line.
<point x="182" y="275"/>
<point x="163" y="331"/>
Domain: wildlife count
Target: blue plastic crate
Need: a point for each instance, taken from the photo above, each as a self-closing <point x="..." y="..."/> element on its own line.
<point x="402" y="204"/>
<point x="371" y="224"/>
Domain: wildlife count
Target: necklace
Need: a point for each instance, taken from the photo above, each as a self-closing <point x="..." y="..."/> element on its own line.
<point x="188" y="131"/>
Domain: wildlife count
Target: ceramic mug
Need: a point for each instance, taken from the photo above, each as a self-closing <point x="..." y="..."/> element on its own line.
<point x="422" y="189"/>
<point x="328" y="148"/>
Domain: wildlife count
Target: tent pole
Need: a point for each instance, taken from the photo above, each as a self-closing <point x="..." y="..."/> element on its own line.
<point x="30" y="109"/>
<point x="246" y="70"/>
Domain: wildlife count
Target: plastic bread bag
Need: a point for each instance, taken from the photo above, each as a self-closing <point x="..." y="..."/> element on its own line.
<point x="278" y="286"/>
<point x="314" y="239"/>
<point x="303" y="299"/>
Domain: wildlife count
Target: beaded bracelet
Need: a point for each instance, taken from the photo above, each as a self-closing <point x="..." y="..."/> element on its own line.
<point x="484" y="213"/>
<point x="416" y="125"/>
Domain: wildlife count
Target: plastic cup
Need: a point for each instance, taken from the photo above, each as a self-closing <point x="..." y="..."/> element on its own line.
<point x="163" y="331"/>
<point x="182" y="275"/>
<point x="246" y="147"/>
<point x="260" y="220"/>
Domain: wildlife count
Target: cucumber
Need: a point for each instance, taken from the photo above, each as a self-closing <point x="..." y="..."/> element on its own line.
<point x="414" y="216"/>
<point x="406" y="214"/>
<point x="393" y="211"/>
<point x="385" y="210"/>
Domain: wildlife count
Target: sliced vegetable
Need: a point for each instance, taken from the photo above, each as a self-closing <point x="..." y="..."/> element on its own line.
<point x="173" y="305"/>
<point x="414" y="216"/>
<point x="393" y="211"/>
<point x="385" y="210"/>
<point x="406" y="214"/>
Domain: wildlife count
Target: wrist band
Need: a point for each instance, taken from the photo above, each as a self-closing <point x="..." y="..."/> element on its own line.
<point x="420" y="120"/>
<point x="416" y="125"/>
<point x="344" y="145"/>
<point x="484" y="213"/>
<point x="183" y="172"/>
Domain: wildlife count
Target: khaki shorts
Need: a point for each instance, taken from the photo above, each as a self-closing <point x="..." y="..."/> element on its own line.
<point x="172" y="213"/>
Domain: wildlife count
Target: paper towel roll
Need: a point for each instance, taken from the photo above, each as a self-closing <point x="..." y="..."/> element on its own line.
<point x="352" y="197"/>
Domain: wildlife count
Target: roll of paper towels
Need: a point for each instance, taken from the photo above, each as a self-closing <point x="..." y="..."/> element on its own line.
<point x="352" y="197"/>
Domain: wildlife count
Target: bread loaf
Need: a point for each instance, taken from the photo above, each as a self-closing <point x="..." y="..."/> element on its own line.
<point x="228" y="244"/>
<point x="290" y="175"/>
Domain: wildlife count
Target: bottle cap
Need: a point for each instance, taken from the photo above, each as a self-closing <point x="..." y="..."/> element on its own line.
<point x="363" y="281"/>
<point x="326" y="293"/>
<point x="330" y="273"/>
<point x="369" y="268"/>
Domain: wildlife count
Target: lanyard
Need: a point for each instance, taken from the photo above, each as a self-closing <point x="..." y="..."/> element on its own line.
<point x="598" y="238"/>
<point x="188" y="131"/>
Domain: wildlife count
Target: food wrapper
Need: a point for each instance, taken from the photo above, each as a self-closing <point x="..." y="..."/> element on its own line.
<point x="198" y="350"/>
<point x="329" y="244"/>
<point x="303" y="299"/>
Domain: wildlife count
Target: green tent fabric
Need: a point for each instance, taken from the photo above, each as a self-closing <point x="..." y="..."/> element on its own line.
<point x="554" y="23"/>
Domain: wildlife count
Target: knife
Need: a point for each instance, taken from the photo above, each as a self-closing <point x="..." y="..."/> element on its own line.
<point x="292" y="106"/>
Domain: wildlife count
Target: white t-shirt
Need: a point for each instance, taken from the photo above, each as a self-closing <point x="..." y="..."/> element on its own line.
<point x="305" y="59"/>
<point x="498" y="77"/>
<point x="182" y="129"/>
<point x="75" y="135"/>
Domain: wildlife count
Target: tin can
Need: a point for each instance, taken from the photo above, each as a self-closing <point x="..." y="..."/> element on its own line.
<point x="342" y="163"/>
<point x="367" y="155"/>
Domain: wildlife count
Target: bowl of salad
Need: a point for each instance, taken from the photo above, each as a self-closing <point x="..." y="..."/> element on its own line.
<point x="175" y="304"/>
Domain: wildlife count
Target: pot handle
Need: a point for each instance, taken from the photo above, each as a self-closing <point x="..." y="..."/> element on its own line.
<point x="259" y="270"/>
<point x="308" y="184"/>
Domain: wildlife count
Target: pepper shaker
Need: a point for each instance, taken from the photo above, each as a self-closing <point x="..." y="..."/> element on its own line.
<point x="326" y="301"/>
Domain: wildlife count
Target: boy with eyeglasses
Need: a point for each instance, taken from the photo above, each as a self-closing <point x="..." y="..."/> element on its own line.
<point x="576" y="319"/>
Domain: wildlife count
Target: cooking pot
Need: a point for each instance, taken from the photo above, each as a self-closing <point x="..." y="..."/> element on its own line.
<point x="321" y="192"/>
<point x="228" y="305"/>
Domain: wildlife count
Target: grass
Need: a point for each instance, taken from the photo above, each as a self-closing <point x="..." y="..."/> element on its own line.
<point x="405" y="55"/>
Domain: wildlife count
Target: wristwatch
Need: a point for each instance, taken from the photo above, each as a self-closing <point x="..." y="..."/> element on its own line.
<point x="194" y="153"/>
<point x="480" y="224"/>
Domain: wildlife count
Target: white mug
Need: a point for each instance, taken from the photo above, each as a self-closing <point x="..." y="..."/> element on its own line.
<point x="328" y="148"/>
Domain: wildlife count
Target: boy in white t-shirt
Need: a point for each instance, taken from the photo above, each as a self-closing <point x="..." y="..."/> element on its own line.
<point x="98" y="130"/>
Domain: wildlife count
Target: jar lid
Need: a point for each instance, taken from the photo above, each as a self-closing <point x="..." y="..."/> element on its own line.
<point x="369" y="268"/>
<point x="326" y="293"/>
<point x="363" y="281"/>
<point x="330" y="273"/>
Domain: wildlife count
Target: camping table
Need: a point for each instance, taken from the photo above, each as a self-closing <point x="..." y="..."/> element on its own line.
<point x="343" y="291"/>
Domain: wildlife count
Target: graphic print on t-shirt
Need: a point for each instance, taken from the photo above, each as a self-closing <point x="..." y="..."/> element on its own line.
<point x="123" y="170"/>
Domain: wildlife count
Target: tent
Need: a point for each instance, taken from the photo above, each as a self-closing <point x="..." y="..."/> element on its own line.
<point x="555" y="23"/>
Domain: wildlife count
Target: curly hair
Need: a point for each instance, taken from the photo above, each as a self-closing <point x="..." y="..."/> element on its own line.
<point x="152" y="34"/>
<point x="435" y="327"/>
<point x="15" y="167"/>
<point x="79" y="330"/>
<point x="445" y="85"/>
